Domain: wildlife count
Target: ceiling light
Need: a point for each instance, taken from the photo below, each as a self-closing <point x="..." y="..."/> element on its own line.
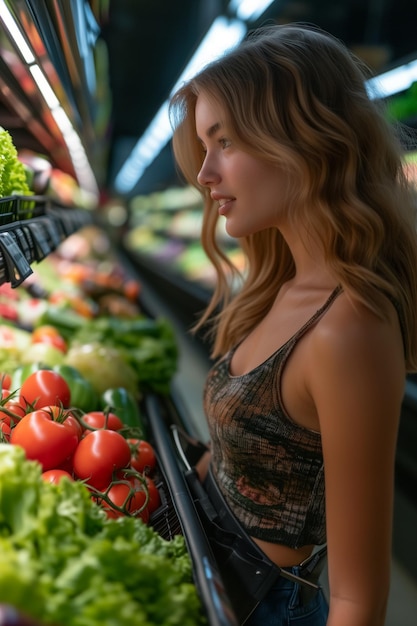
<point x="82" y="168"/>
<point x="249" y="10"/>
<point x="44" y="86"/>
<point x="15" y="33"/>
<point x="145" y="151"/>
<point x="392" y="82"/>
<point x="223" y="34"/>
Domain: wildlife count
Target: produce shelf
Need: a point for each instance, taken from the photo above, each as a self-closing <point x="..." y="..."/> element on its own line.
<point x="31" y="227"/>
<point x="180" y="506"/>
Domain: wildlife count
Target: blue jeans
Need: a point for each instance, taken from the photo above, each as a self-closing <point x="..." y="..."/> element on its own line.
<point x="282" y="607"/>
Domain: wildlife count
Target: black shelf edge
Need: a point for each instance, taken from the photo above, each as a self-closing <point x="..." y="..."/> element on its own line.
<point x="207" y="577"/>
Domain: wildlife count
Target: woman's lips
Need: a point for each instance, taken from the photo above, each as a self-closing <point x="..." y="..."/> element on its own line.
<point x="224" y="206"/>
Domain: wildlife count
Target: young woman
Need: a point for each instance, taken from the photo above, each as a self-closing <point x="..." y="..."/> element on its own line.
<point x="304" y="399"/>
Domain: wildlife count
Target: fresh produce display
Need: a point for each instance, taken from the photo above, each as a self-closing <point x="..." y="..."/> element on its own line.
<point x="117" y="470"/>
<point x="139" y="354"/>
<point x="64" y="561"/>
<point x="79" y="535"/>
<point x="93" y="446"/>
<point x="61" y="315"/>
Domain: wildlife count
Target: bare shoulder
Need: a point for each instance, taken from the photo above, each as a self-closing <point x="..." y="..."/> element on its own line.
<point x="353" y="345"/>
<point x="349" y="327"/>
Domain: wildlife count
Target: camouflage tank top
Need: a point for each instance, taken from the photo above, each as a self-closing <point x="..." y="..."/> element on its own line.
<point x="269" y="468"/>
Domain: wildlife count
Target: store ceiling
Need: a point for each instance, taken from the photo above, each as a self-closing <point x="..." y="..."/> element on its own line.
<point x="148" y="44"/>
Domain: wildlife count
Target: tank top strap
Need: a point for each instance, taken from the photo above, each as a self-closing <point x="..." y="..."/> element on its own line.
<point x="317" y="315"/>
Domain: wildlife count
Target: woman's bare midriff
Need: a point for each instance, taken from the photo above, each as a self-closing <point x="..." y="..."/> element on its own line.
<point x="283" y="556"/>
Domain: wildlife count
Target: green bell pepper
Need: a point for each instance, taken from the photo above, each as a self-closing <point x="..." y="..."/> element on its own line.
<point x="83" y="395"/>
<point x="123" y="403"/>
<point x="24" y="371"/>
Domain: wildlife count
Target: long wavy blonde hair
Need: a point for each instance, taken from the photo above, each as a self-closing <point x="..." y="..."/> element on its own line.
<point x="296" y="96"/>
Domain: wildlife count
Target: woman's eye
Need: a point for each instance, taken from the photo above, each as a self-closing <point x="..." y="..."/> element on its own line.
<point x="225" y="143"/>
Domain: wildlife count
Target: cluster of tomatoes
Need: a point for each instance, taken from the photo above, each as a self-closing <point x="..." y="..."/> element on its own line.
<point x="93" y="447"/>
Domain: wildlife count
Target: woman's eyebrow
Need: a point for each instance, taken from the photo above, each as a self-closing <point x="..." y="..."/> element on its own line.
<point x="212" y="130"/>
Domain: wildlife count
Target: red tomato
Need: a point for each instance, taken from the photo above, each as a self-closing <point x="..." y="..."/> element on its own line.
<point x="100" y="419"/>
<point x="44" y="330"/>
<point x="44" y="439"/>
<point x="98" y="455"/>
<point x="67" y="466"/>
<point x="6" y="419"/>
<point x="59" y="415"/>
<point x="46" y="387"/>
<point x="143" y="457"/>
<point x="5" y="431"/>
<point x="12" y="411"/>
<point x="55" y="476"/>
<point x="129" y="496"/>
<point x="6" y="381"/>
<point x="56" y="341"/>
<point x="154" y="496"/>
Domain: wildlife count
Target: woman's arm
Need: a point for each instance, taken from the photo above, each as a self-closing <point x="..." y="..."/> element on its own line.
<point x="357" y="382"/>
<point x="203" y="465"/>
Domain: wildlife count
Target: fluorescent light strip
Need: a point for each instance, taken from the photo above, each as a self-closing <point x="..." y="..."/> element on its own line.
<point x="392" y="82"/>
<point x="249" y="10"/>
<point x="44" y="86"/>
<point x="81" y="164"/>
<point x="14" y="31"/>
<point x="159" y="132"/>
<point x="222" y="36"/>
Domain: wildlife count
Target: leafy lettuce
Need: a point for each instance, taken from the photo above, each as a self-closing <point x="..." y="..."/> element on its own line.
<point x="63" y="562"/>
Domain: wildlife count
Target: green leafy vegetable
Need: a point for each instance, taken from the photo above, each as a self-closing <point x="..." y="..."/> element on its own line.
<point x="62" y="561"/>
<point x="13" y="179"/>
<point x="148" y="346"/>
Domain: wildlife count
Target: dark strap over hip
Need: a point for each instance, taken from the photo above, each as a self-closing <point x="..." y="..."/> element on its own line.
<point x="228" y="521"/>
<point x="247" y="573"/>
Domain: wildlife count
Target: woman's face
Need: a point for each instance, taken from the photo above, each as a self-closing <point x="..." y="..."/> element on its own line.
<point x="251" y="193"/>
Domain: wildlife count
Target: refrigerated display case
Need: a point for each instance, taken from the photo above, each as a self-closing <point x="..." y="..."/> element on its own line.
<point x="164" y="231"/>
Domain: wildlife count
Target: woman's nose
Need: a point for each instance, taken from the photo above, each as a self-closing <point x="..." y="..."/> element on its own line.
<point x="208" y="174"/>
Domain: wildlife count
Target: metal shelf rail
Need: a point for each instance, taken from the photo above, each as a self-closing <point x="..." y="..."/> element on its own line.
<point x="31" y="227"/>
<point x="207" y="578"/>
